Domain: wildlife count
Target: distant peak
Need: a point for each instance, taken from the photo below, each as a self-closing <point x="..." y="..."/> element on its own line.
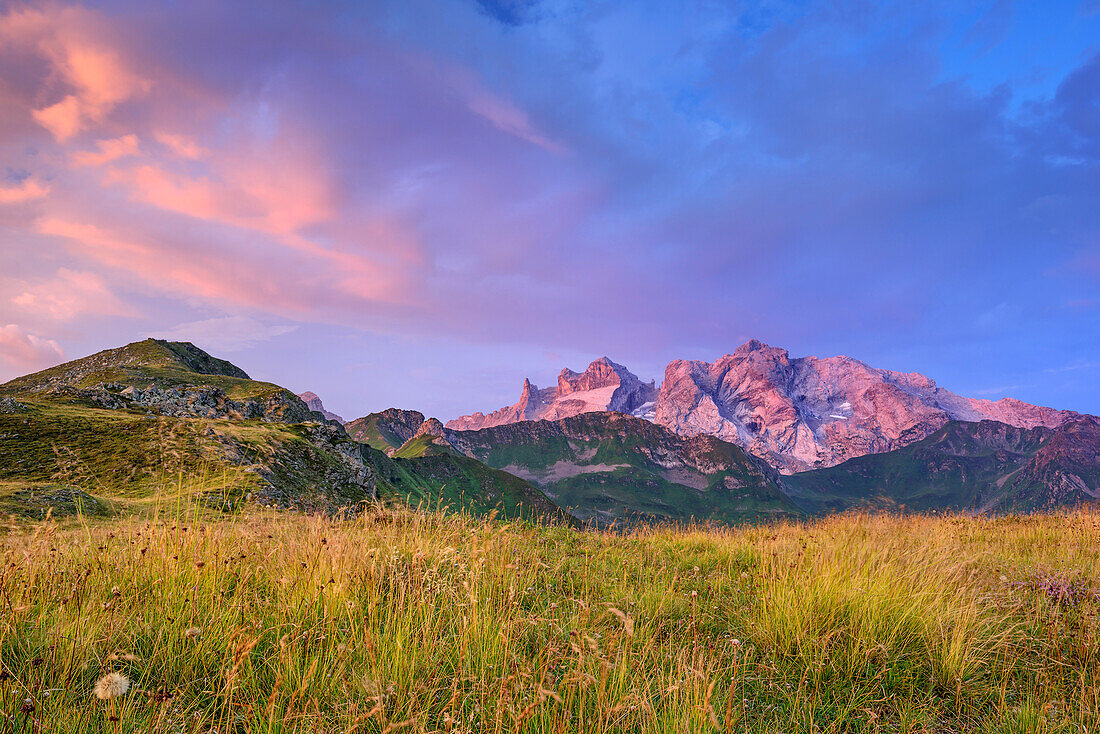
<point x="752" y="345"/>
<point x="430" y="427"/>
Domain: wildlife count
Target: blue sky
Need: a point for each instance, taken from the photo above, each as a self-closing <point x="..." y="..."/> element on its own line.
<point x="421" y="203"/>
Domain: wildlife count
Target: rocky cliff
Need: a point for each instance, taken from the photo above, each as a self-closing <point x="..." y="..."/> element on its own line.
<point x="804" y="413"/>
<point x="603" y="386"/>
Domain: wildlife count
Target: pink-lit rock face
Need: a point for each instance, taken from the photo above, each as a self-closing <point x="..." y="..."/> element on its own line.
<point x="604" y="386"/>
<point x="808" y="412"/>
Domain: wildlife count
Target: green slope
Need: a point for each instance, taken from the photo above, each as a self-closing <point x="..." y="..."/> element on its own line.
<point x="125" y="429"/>
<point x="612" y="467"/>
<point x="387" y="430"/>
<point x="985" y="466"/>
<point x="459" y="483"/>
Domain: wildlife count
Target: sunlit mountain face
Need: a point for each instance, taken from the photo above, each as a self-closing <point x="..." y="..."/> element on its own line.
<point x="421" y="204"/>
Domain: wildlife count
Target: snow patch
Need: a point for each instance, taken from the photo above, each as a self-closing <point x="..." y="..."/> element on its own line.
<point x="593" y="400"/>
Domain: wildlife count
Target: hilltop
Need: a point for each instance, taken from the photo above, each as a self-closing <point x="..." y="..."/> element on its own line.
<point x="107" y="430"/>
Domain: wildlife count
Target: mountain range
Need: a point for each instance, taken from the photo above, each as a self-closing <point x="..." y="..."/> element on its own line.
<point x="795" y="413"/>
<point x="753" y="436"/>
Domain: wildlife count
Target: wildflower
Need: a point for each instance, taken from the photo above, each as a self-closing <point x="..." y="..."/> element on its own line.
<point x="193" y="633"/>
<point x="111" y="686"/>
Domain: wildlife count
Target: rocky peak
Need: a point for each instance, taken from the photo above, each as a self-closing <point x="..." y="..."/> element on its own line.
<point x="752" y="345"/>
<point x="313" y="402"/>
<point x="603" y="386"/>
<point x="807" y="412"/>
<point x="430" y="427"/>
<point x="600" y="373"/>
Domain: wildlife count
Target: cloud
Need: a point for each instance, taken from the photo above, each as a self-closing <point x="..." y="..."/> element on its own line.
<point x="509" y="118"/>
<point x="23" y="350"/>
<point x="257" y="194"/>
<point x="70" y="294"/>
<point x="63" y="118"/>
<point x="82" y="59"/>
<point x="26" y="191"/>
<point x="108" y="151"/>
<point x="182" y="145"/>
<point x="675" y="179"/>
<point x="226" y="333"/>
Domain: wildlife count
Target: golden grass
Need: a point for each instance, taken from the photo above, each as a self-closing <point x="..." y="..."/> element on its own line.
<point x="420" y="622"/>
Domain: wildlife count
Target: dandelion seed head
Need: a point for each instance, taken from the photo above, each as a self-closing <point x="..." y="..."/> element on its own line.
<point x="112" y="685"/>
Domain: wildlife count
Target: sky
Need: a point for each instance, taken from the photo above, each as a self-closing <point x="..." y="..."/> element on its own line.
<point x="418" y="204"/>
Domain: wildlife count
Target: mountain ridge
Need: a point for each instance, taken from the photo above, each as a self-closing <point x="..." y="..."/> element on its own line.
<point x="797" y="413"/>
<point x="116" y="421"/>
<point x="603" y="386"/>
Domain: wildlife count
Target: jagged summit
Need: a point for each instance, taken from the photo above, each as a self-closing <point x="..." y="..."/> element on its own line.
<point x="808" y="412"/>
<point x="603" y="386"/>
<point x="797" y="413"/>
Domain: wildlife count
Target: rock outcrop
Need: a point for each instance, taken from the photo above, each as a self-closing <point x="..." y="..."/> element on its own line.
<point x="387" y="430"/>
<point x="1065" y="471"/>
<point x="604" y="386"/>
<point x="805" y="413"/>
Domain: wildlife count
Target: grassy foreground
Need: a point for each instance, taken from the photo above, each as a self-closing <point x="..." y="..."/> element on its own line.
<point x="401" y="621"/>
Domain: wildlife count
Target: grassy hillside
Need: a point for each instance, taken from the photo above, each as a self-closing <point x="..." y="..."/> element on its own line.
<point x="142" y="364"/>
<point x="611" y="467"/>
<point x="108" y="432"/>
<point x="408" y="622"/>
<point x="985" y="466"/>
<point x="386" y="431"/>
<point x="461" y="484"/>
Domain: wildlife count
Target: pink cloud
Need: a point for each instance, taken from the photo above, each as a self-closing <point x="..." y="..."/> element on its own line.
<point x="267" y="194"/>
<point x="109" y="150"/>
<point x="501" y="113"/>
<point x="70" y="294"/>
<point x="25" y="350"/>
<point x="510" y="119"/>
<point x="322" y="280"/>
<point x="61" y="119"/>
<point x="188" y="273"/>
<point x="94" y="73"/>
<point x="26" y="191"/>
<point x="182" y="145"/>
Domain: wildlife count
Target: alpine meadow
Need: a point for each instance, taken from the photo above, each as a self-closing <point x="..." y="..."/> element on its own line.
<point x="549" y="367"/>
